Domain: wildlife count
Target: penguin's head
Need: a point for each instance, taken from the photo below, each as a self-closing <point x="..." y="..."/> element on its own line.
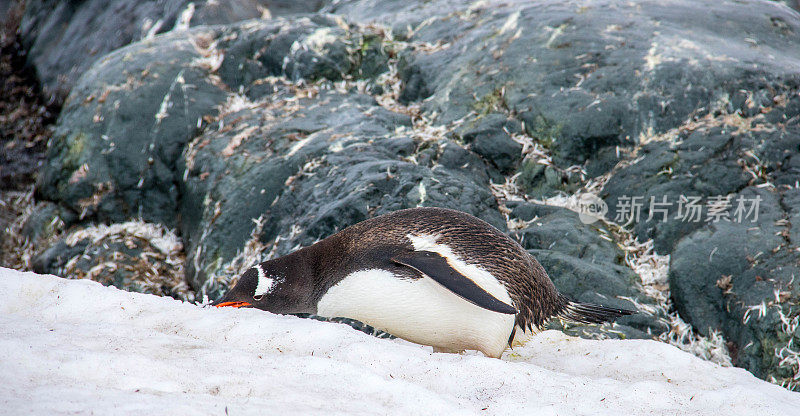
<point x="259" y="287"/>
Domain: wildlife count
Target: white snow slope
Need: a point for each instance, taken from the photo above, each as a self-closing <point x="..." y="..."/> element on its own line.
<point x="76" y="347"/>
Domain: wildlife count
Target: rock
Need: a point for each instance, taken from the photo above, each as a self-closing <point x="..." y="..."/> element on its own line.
<point x="309" y="48"/>
<point x="542" y="181"/>
<point x="273" y="141"/>
<point x="794" y="4"/>
<point x="132" y="256"/>
<point x="490" y="137"/>
<point x="5" y="8"/>
<point x="707" y="163"/>
<point x="64" y="38"/>
<point x="114" y="152"/>
<point x="701" y="163"/>
<point x="229" y="175"/>
<point x="738" y="278"/>
<point x="559" y="229"/>
<point x="47" y="220"/>
<point x="370" y="180"/>
<point x="791" y="202"/>
<point x="583" y="77"/>
<point x="401" y="16"/>
<point x="729" y="254"/>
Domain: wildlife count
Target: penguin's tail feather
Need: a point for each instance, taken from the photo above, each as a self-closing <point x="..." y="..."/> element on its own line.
<point x="589" y="313"/>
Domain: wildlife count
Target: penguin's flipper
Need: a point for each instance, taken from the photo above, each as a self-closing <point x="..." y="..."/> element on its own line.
<point x="437" y="268"/>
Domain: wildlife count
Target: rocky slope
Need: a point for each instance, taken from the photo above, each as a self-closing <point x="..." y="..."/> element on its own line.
<point x="249" y="139"/>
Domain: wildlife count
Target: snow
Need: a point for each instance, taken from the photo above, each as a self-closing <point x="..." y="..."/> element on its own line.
<point x="75" y="346"/>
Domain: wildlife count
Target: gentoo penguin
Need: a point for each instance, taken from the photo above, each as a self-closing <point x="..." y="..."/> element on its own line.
<point x="432" y="276"/>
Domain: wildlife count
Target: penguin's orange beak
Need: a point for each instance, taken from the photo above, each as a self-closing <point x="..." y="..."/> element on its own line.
<point x="234" y="304"/>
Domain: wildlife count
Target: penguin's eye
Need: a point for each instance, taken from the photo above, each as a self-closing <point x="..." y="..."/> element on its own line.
<point x="257" y="297"/>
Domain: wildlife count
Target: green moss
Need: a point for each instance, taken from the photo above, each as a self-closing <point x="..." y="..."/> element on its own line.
<point x="492" y="102"/>
<point x="369" y="43"/>
<point x="545" y="132"/>
<point x="371" y="56"/>
<point x="542" y="181"/>
<point x="75" y="147"/>
<point x="530" y="172"/>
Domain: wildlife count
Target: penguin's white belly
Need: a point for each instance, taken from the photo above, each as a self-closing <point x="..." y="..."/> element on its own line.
<point x="419" y="310"/>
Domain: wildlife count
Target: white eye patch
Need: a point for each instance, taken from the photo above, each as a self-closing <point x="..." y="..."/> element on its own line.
<point x="265" y="283"/>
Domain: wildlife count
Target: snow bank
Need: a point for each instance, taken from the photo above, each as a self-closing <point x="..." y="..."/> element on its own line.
<point x="74" y="346"/>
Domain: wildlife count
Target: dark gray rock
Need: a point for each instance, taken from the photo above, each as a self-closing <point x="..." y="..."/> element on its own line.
<point x="47" y="220"/>
<point x="706" y="163"/>
<point x="114" y="151"/>
<point x="791" y="202"/>
<point x="739" y="278"/>
<point x="402" y="16"/>
<point x="732" y="272"/>
<point x="53" y="259"/>
<point x="490" y="136"/>
<point x="559" y="229"/>
<point x="6" y="6"/>
<point x="702" y="163"/>
<point x="543" y="180"/>
<point x="63" y="38"/>
<point x="585" y="77"/>
<point x="112" y="155"/>
<point x="308" y="48"/>
<point x="238" y="166"/>
<point x="794" y="4"/>
<point x="267" y="144"/>
<point x="603" y="284"/>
